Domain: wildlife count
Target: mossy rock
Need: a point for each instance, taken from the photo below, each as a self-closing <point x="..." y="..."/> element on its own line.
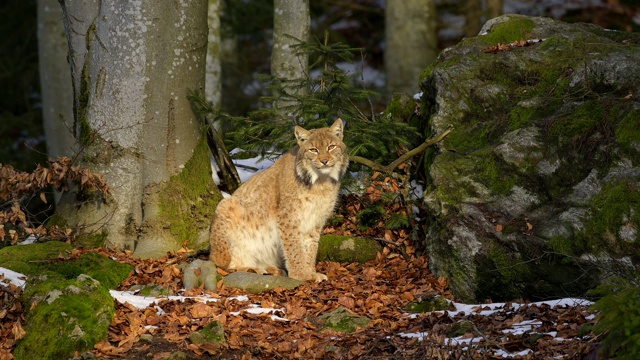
<point x="212" y="333"/>
<point x="69" y="304"/>
<point x="436" y="303"/>
<point x="347" y="249"/>
<point x="50" y="259"/>
<point x="541" y="171"/>
<point x="460" y="328"/>
<point x="342" y="320"/>
<point x="69" y="316"/>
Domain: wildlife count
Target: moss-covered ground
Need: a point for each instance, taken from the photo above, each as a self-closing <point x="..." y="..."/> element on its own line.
<point x="68" y="297"/>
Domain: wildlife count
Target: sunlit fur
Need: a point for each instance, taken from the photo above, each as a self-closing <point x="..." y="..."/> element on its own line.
<point x="272" y="223"/>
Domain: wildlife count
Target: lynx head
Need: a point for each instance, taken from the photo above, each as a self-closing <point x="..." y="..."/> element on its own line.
<point x="321" y="154"/>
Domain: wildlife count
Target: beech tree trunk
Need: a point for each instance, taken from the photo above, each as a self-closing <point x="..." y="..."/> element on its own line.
<point x="411" y="43"/>
<point x="213" y="79"/>
<point x="291" y="24"/>
<point x="55" y="80"/>
<point x="131" y="65"/>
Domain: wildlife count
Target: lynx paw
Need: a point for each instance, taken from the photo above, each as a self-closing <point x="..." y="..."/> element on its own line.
<point x="314" y="276"/>
<point x="317" y="277"/>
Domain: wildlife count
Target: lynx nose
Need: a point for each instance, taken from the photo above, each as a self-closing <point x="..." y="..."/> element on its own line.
<point x="324" y="161"/>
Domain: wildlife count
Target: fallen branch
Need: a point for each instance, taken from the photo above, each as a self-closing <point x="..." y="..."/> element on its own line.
<point x="406" y="156"/>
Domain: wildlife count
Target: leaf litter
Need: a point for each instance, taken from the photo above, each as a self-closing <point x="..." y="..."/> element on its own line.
<point x="280" y="324"/>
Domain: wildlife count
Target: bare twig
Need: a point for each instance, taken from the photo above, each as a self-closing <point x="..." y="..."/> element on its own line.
<point x="406" y="156"/>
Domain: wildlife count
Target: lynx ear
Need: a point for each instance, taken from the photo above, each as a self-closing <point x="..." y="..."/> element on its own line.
<point x="301" y="134"/>
<point x="337" y="128"/>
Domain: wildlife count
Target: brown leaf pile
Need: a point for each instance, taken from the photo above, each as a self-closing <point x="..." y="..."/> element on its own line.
<point x="379" y="289"/>
<point x="12" y="318"/>
<point x="17" y="187"/>
<point x="514" y="45"/>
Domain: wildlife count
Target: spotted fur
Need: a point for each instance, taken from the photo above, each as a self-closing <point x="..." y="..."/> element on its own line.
<point x="272" y="223"/>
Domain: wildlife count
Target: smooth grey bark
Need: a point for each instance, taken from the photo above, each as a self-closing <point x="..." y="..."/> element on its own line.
<point x="213" y="81"/>
<point x="131" y="65"/>
<point x="55" y="80"/>
<point x="411" y="43"/>
<point x="291" y="24"/>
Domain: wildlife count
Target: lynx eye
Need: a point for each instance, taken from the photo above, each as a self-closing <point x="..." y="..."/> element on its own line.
<point x="314" y="150"/>
<point x="331" y="147"/>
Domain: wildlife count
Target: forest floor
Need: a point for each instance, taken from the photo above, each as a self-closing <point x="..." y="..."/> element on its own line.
<point x="285" y="324"/>
<point x="288" y="326"/>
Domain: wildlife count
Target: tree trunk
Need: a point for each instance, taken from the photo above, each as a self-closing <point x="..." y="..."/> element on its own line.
<point x="131" y="65"/>
<point x="291" y="24"/>
<point x="213" y="82"/>
<point x="55" y="80"/>
<point x="411" y="43"/>
<point x="494" y="9"/>
<point x="474" y="16"/>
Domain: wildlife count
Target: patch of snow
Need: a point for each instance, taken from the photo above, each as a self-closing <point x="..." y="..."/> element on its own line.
<point x="504" y="354"/>
<point x="13" y="277"/>
<point x="522" y="327"/>
<point x="256" y="310"/>
<point x="29" y="240"/>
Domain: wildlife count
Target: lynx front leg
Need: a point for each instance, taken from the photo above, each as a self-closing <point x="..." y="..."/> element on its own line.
<point x="310" y="247"/>
<point x="298" y="262"/>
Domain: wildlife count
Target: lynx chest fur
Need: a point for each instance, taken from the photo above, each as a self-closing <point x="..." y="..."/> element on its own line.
<point x="273" y="222"/>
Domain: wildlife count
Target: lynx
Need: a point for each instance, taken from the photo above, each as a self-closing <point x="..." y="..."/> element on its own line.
<point x="272" y="223"/>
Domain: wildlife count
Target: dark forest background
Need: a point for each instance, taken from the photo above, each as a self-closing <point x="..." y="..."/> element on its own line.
<point x="357" y="23"/>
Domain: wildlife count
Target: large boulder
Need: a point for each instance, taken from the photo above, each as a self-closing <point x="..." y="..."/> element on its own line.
<point x="536" y="192"/>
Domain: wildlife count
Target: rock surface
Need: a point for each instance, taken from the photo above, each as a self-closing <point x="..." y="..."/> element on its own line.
<point x="538" y="186"/>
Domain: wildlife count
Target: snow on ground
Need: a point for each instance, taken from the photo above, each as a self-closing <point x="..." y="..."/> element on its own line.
<point x="490" y="309"/>
<point x="12" y="277"/>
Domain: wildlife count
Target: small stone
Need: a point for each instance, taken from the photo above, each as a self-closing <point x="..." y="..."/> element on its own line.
<point x="213" y="333"/>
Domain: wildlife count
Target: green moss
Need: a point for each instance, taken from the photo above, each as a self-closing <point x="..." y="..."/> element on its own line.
<point x="342" y="320"/>
<point x="190" y="197"/>
<point x="401" y="108"/>
<point x="628" y="130"/>
<point x="562" y="245"/>
<point x="494" y="173"/>
<point x="212" y="333"/>
<point x="347" y="249"/>
<point x="617" y="205"/>
<point x="370" y="216"/>
<point x="437" y="303"/>
<point x="72" y="318"/>
<point x="32" y="259"/>
<point x="520" y="116"/>
<point x="50" y="259"/>
<point x="460" y="328"/>
<point x="517" y="28"/>
<point x="92" y="240"/>
<point x="581" y="120"/>
<point x="72" y="307"/>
